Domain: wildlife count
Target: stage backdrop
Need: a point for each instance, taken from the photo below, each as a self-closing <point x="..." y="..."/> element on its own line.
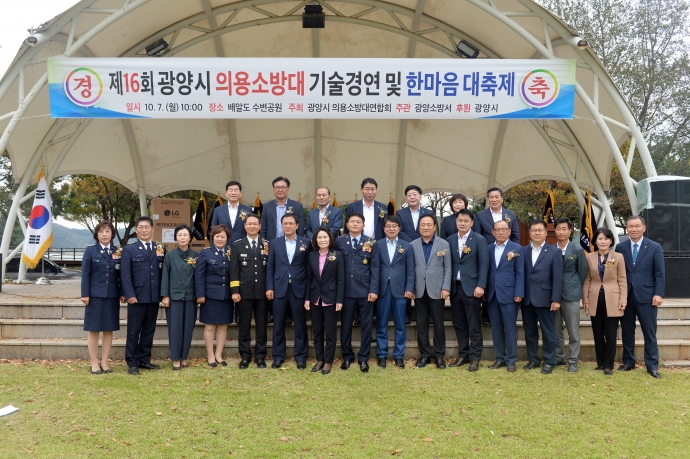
<point x="311" y="88"/>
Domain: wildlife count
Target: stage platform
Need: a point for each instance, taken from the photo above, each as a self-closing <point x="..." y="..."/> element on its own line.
<point x="46" y="322"/>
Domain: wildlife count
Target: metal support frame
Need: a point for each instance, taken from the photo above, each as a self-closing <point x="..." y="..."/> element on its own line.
<point x="136" y="161"/>
<point x="318" y="147"/>
<point x="498" y="146"/>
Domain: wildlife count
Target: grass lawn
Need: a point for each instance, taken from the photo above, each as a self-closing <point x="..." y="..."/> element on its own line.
<point x="66" y="412"/>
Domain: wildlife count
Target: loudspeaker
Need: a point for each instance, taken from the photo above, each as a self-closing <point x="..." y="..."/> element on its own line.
<point x="662" y="227"/>
<point x="668" y="223"/>
<point x="677" y="280"/>
<point x="671" y="192"/>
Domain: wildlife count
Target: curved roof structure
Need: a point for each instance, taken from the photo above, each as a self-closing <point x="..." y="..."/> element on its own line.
<point x="154" y="157"/>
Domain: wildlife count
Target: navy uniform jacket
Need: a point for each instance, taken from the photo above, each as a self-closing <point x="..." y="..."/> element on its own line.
<point x="329" y="285"/>
<point x="484" y="224"/>
<point x="248" y="272"/>
<point x="361" y="267"/>
<point x="506" y="281"/>
<point x="473" y="266"/>
<point x="280" y="270"/>
<point x="335" y="221"/>
<point x="400" y="272"/>
<point x="409" y="231"/>
<point x="100" y="273"/>
<point x="380" y="212"/>
<point x="544" y="280"/>
<point x="221" y="216"/>
<point x="269" y="217"/>
<point x="212" y="274"/>
<point x="140" y="274"/>
<point x="646" y="278"/>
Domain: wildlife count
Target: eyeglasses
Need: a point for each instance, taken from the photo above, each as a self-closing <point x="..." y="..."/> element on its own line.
<point x="537" y="231"/>
<point x="280" y="188"/>
<point x="391" y="227"/>
<point x="501" y="230"/>
<point x="144" y="227"/>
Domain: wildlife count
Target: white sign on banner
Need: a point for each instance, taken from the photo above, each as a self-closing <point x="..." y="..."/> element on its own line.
<point x="311" y="88"/>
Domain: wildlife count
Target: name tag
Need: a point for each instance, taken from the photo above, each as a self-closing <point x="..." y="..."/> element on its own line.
<point x="243" y="255"/>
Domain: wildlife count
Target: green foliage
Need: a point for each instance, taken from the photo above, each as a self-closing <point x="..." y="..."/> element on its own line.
<point x="527" y="200"/>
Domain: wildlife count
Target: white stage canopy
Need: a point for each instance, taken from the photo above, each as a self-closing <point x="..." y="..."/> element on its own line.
<point x="155" y="157"/>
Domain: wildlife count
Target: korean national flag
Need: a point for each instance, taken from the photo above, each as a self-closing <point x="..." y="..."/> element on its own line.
<point x="39" y="233"/>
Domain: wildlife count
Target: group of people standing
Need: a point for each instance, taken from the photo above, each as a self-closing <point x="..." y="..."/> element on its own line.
<point x="281" y="266"/>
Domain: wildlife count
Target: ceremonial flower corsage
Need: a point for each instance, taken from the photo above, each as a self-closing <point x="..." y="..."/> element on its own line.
<point x="366" y="247"/>
<point x="289" y="210"/>
<point x="382" y="213"/>
<point x="610" y="263"/>
<point x="302" y="247"/>
<point x="160" y="250"/>
<point x="441" y="253"/>
<point x="243" y="215"/>
<point x="117" y="254"/>
<point x="507" y="219"/>
<point x="400" y="249"/>
<point x="264" y="250"/>
<point x="331" y="256"/>
<point x="227" y="253"/>
<point x="466" y="250"/>
<point x="191" y="261"/>
<point x="325" y="220"/>
<point x="572" y="256"/>
<point x="512" y="254"/>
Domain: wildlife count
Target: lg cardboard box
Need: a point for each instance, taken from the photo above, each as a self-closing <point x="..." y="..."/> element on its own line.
<point x="168" y="214"/>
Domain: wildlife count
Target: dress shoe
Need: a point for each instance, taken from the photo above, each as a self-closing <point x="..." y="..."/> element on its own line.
<point x="346" y="364"/>
<point x="107" y="370"/>
<point x="222" y="363"/>
<point x="474" y="365"/>
<point x="244" y="364"/>
<point x="301" y="365"/>
<point x="364" y="366"/>
<point x="423" y="361"/>
<point x="260" y="363"/>
<point x="381" y="363"/>
<point x="358" y="322"/>
<point x="547" y="370"/>
<point x="400" y="363"/>
<point x="626" y="367"/>
<point x="375" y="321"/>
<point x="97" y="372"/>
<point x="326" y="369"/>
<point x="531" y="366"/>
<point x="496" y="365"/>
<point x="133" y="371"/>
<point x="317" y="367"/>
<point x="289" y="322"/>
<point x="599" y="368"/>
<point x="177" y="368"/>
<point x="277" y="364"/>
<point x="185" y="365"/>
<point x="270" y="319"/>
<point x="511" y="368"/>
<point x="572" y="367"/>
<point x="408" y="319"/>
<point x="460" y="362"/>
<point x="440" y="364"/>
<point x="148" y="366"/>
<point x="654" y="374"/>
<point x="212" y="364"/>
<point x="608" y="372"/>
<point x="560" y="363"/>
<point x="486" y="323"/>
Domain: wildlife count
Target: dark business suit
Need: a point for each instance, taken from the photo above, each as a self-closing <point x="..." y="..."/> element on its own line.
<point x="269" y="218"/>
<point x="380" y="212"/>
<point x="361" y="279"/>
<point x="221" y="216"/>
<point x="395" y="278"/>
<point x="543" y="285"/>
<point x="464" y="306"/>
<point x="325" y="287"/>
<point x="409" y="231"/>
<point x="334" y="216"/>
<point x="248" y="278"/>
<point x="288" y="280"/>
<point x="141" y="279"/>
<point x="484" y="224"/>
<point x="646" y="278"/>
<point x="504" y="283"/>
<point x="100" y="281"/>
<point x="448" y="226"/>
<point x="212" y="282"/>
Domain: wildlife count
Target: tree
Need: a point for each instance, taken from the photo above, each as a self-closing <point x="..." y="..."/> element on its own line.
<point x="527" y="200"/>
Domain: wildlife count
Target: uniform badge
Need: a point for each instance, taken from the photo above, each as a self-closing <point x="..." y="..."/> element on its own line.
<point x="216" y="253"/>
<point x="244" y="263"/>
<point x="160" y="265"/>
<point x="365" y="261"/>
<point x="101" y="251"/>
<point x="117" y="266"/>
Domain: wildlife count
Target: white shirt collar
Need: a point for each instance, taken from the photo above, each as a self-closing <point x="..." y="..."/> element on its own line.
<point x="500" y="211"/>
<point x="252" y="240"/>
<point x="502" y="245"/>
<point x="388" y="241"/>
<point x="103" y="247"/>
<point x="639" y="243"/>
<point x="364" y="204"/>
<point x="537" y="248"/>
<point x="233" y="207"/>
<point x="287" y="240"/>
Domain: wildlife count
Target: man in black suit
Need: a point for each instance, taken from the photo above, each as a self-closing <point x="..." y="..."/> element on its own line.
<point x="248" y="258"/>
<point x="410" y="215"/>
<point x="141" y="269"/>
<point x="470" y="262"/>
<point x="286" y="286"/>
<point x="324" y="214"/>
<point x="274" y="210"/>
<point x="485" y="219"/>
<point x="373" y="211"/>
<point x="234" y="213"/>
<point x="543" y="287"/>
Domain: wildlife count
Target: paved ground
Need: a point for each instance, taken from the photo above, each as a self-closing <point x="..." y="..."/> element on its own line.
<point x="58" y="292"/>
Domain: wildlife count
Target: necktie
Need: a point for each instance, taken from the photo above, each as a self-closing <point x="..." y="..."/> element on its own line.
<point x="148" y="248"/>
<point x="107" y="252"/>
<point x="354" y="244"/>
<point x="635" y="252"/>
<point x="254" y="247"/>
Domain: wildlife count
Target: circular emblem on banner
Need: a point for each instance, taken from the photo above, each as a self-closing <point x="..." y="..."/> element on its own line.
<point x="539" y="88"/>
<point x="83" y="86"/>
<point x="39" y="217"/>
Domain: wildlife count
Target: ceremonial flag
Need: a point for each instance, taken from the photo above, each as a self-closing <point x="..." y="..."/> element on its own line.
<point x="216" y="204"/>
<point x="335" y="201"/>
<point x="548" y="208"/>
<point x="39" y="233"/>
<point x="258" y="206"/>
<point x="200" y="219"/>
<point x="391" y="205"/>
<point x="588" y="226"/>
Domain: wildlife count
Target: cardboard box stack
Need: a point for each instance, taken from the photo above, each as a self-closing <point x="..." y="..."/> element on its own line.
<point x="167" y="214"/>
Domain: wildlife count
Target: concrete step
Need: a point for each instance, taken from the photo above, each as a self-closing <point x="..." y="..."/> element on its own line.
<point x="73" y="329"/>
<point x="55" y="349"/>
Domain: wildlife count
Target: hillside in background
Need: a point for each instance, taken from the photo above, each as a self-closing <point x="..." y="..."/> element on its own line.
<point x="64" y="237"/>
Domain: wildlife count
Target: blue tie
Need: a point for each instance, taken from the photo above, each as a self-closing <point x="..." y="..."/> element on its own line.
<point x="635" y="252"/>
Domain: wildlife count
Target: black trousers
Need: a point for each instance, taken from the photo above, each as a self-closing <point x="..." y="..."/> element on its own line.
<point x="467" y="323"/>
<point x="366" y="312"/>
<point x="244" y="338"/>
<point x="604" y="329"/>
<point x="141" y="326"/>
<point x="324" y="317"/>
<point x="430" y="308"/>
